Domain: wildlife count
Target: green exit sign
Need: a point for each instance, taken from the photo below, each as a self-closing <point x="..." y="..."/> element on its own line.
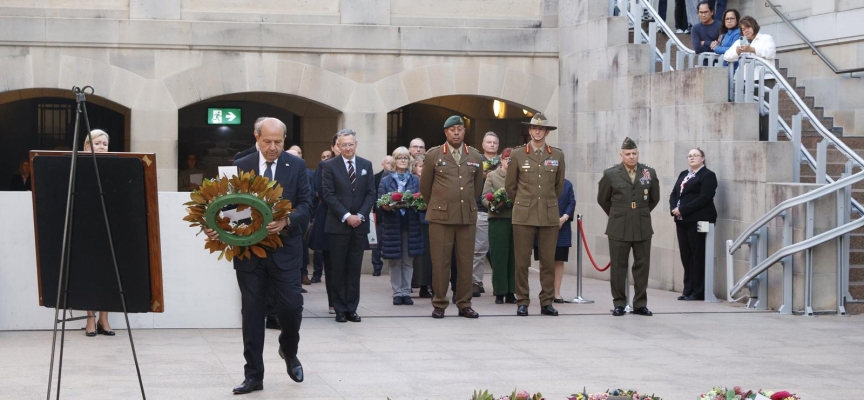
<point x="223" y="116"/>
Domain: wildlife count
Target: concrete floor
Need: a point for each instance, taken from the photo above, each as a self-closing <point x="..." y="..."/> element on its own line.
<point x="402" y="353"/>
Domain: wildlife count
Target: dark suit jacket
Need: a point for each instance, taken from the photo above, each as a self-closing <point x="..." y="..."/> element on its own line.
<point x="617" y="196"/>
<point x="18" y="184"/>
<point x="340" y="199"/>
<point x="291" y="174"/>
<point x="697" y="198"/>
<point x="245" y="153"/>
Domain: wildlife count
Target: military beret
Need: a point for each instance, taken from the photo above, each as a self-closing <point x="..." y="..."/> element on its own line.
<point x="453" y="120"/>
<point x="628" y="144"/>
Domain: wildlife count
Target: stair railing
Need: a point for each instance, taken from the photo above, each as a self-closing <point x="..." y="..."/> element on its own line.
<point x="756" y="235"/>
<point x="810" y="44"/>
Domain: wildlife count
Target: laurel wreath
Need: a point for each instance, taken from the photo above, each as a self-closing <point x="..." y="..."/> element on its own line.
<point x="240" y="240"/>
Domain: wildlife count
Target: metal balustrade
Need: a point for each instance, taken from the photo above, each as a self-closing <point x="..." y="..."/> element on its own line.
<point x="744" y="90"/>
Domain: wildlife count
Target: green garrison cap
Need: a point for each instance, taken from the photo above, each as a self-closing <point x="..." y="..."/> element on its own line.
<point x="453" y="120"/>
<point x="628" y="144"/>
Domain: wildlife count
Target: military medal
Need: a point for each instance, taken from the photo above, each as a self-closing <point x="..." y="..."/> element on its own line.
<point x="646" y="195"/>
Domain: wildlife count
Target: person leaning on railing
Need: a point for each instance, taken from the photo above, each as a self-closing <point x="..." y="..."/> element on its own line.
<point x="760" y="44"/>
<point x="729" y="33"/>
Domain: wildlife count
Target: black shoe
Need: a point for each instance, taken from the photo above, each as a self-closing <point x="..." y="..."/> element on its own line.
<point x="249" y="386"/>
<point x="522" y="311"/>
<point x="475" y="292"/>
<point x="618" y="311"/>
<point x="89" y="334"/>
<point x="424" y="292"/>
<point x="482" y="290"/>
<point x="340" y="317"/>
<point x="315" y="279"/>
<point x="376" y="272"/>
<point x="305" y="280"/>
<point x="682" y="297"/>
<point x="295" y="369"/>
<point x="438" y="313"/>
<point x="499" y="299"/>
<point x="406" y="300"/>
<point x="693" y="298"/>
<point x="559" y="301"/>
<point x="509" y="298"/>
<point x="303" y="290"/>
<point x="643" y="311"/>
<point x="397" y="301"/>
<point x="101" y="331"/>
<point x="549" y="310"/>
<point x="352" y="316"/>
<point x="454" y="298"/>
<point x="273" y="323"/>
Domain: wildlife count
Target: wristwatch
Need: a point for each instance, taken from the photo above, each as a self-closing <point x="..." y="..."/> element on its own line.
<point x="287" y="222"/>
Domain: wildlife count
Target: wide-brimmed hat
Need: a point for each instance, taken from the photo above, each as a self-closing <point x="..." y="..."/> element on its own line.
<point x="540" y="120"/>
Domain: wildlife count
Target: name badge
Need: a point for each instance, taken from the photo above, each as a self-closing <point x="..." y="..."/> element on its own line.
<point x="551" y="163"/>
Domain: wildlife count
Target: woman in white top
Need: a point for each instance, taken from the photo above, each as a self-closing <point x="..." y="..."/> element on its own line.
<point x="761" y="45"/>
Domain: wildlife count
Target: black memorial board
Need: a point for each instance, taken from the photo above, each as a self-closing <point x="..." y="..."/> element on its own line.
<point x="92" y="280"/>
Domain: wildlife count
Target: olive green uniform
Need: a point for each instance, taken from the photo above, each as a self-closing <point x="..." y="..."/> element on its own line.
<point x="628" y="205"/>
<point x="451" y="189"/>
<point x="535" y="179"/>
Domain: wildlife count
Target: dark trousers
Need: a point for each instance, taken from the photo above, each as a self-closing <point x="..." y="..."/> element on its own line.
<point x="289" y="307"/>
<point x="692" y="246"/>
<point x="661" y="9"/>
<point x="619" y="252"/>
<point x="719" y="9"/>
<point x="346" y="262"/>
<point x="377" y="264"/>
<point x="325" y="259"/>
<point x="317" y="264"/>
<point x="680" y="15"/>
<point x="503" y="257"/>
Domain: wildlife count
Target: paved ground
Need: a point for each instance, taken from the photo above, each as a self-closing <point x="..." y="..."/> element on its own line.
<point x="402" y="353"/>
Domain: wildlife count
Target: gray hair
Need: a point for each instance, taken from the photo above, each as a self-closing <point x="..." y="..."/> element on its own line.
<point x="490" y="133"/>
<point x="401" y="151"/>
<point x="260" y="123"/>
<point x="346" y="132"/>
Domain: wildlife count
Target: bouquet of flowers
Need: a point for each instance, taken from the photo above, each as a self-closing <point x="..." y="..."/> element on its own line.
<point x="405" y="199"/>
<point x="736" y="393"/>
<point x="498" y="200"/>
<point x="489" y="165"/>
<point x="515" y="395"/>
<point x="614" y="394"/>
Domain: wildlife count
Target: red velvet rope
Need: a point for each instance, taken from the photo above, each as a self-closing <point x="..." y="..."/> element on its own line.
<point x="585" y="243"/>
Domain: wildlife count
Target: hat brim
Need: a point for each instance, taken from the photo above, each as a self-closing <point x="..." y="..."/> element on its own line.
<point x="549" y="127"/>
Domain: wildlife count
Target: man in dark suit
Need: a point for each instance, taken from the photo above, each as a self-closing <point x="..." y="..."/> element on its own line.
<point x="253" y="149"/>
<point x="627" y="193"/>
<point x="281" y="268"/>
<point x="377" y="264"/>
<point x="348" y="189"/>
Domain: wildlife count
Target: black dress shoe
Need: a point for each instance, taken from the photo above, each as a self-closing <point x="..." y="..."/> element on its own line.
<point x="499" y="299"/>
<point x="406" y="300"/>
<point x="315" y="279"/>
<point x="468" y="312"/>
<point x="377" y="272"/>
<point x="249" y="386"/>
<point x="424" y="292"/>
<point x="475" y="292"/>
<point x="352" y="316"/>
<point x="303" y="290"/>
<point x="295" y="369"/>
<point x="273" y="323"/>
<point x="341" y="317"/>
<point x="509" y="298"/>
<point x="558" y="301"/>
<point x="549" y="310"/>
<point x="438" y="313"/>
<point x="682" y="297"/>
<point x="643" y="311"/>
<point x="397" y="301"/>
<point x="101" y="331"/>
<point x="522" y="311"/>
<point x="618" y="311"/>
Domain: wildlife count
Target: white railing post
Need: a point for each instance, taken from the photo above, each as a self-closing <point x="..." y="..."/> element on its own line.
<point x="730" y="271"/>
<point x="808" y="257"/>
<point x="842" y="244"/>
<point x="709" y="264"/>
<point x="652" y="43"/>
<point x="739" y="82"/>
<point x="786" y="308"/>
<point x="748" y="79"/>
<point x="773" y="113"/>
<point x="821" y="161"/>
<point x="761" y="255"/>
<point x="667" y="57"/>
<point x="796" y="147"/>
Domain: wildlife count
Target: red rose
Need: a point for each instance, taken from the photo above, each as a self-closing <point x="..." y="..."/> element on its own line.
<point x="396" y="196"/>
<point x="416" y="195"/>
<point x="489" y="196"/>
<point x="780" y="395"/>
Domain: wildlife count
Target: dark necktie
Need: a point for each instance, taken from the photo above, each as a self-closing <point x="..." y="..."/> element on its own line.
<point x="352" y="176"/>
<point x="268" y="172"/>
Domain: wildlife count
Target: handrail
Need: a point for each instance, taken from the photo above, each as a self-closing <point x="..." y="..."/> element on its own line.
<point x="792" y="249"/>
<point x="810" y="44"/>
<point x="795" y="201"/>
<point x="669" y="32"/>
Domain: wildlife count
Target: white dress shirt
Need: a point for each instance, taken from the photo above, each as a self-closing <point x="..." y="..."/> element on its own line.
<point x="354" y="162"/>
<point x="262" y="165"/>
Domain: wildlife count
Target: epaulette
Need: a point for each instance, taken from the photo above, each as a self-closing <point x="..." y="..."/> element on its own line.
<point x="557" y="148"/>
<point x="432" y="148"/>
<point x="519" y="147"/>
<point x="645" y="165"/>
<point x="613" y="166"/>
<point x="475" y="150"/>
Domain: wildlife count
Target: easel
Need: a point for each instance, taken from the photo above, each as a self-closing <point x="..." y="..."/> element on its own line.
<point x="63" y="278"/>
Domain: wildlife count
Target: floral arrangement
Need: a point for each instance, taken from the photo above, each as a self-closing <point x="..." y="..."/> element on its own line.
<point x="405" y="199"/>
<point x="515" y="395"/>
<point x="498" y="200"/>
<point x="489" y="165"/>
<point x="247" y="191"/>
<point x="613" y="394"/>
<point x="736" y="393"/>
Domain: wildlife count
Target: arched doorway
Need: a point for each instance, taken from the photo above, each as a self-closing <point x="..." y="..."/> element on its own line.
<point x="425" y="119"/>
<point x="309" y="125"/>
<point x="44" y="119"/>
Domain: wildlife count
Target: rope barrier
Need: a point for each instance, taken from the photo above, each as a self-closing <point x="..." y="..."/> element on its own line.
<point x="585" y="243"/>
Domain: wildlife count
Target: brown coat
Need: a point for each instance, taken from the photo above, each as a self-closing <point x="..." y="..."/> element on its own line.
<point x="494" y="181"/>
<point x="534" y="183"/>
<point x="451" y="189"/>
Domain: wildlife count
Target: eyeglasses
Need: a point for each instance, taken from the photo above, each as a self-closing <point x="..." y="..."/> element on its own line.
<point x="402" y="158"/>
<point x="347" y="145"/>
<point x="694" y="156"/>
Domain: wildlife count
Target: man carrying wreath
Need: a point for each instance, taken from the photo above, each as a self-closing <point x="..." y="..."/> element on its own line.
<point x="281" y="267"/>
<point x="535" y="179"/>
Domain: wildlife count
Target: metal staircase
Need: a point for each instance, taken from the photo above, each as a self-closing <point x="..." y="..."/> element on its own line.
<point x="819" y="157"/>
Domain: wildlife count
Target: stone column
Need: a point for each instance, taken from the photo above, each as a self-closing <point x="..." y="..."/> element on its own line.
<point x="154" y="127"/>
<point x="371" y="131"/>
